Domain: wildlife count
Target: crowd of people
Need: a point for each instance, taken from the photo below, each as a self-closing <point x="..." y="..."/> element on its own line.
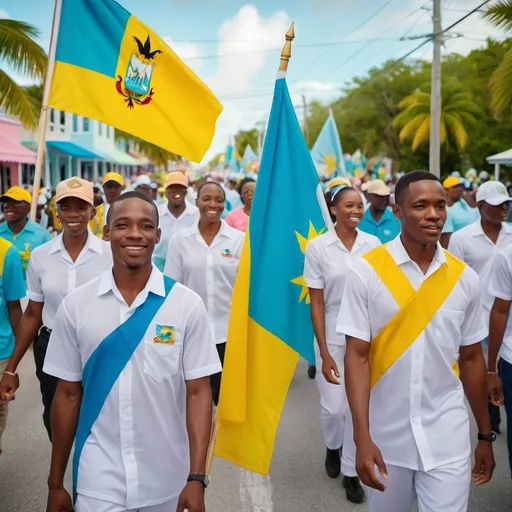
<point x="124" y="290"/>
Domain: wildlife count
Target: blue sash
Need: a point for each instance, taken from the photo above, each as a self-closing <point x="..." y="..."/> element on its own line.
<point x="106" y="364"/>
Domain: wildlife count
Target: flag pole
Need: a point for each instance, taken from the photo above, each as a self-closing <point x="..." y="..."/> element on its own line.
<point x="43" y="119"/>
<point x="283" y="67"/>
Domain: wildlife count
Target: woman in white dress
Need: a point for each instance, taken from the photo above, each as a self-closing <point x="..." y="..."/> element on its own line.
<point x="327" y="262"/>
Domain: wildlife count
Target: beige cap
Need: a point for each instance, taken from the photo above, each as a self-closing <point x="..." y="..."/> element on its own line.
<point x="379" y="188"/>
<point x="176" y="178"/>
<point x="75" y="187"/>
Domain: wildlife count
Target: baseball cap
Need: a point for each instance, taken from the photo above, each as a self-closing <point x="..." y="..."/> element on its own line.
<point x="336" y="182"/>
<point x="176" y="178"/>
<point x="75" y="187"/>
<point x="142" y="181"/>
<point x="42" y="201"/>
<point x="154" y="185"/>
<point x="493" y="193"/>
<point x="17" y="194"/>
<point x="451" y="181"/>
<point x="379" y="188"/>
<point x="113" y="176"/>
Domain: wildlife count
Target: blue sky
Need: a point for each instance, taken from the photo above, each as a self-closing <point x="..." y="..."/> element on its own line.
<point x="234" y="46"/>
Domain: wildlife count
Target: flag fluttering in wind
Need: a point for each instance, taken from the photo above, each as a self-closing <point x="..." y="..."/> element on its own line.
<point x="111" y="67"/>
<point x="249" y="157"/>
<point x="270" y="324"/>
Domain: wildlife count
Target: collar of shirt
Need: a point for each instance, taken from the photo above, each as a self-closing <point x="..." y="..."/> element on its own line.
<point x="224" y="230"/>
<point x="477" y="230"/>
<point x="29" y="228"/>
<point x="386" y="216"/>
<point x="397" y="250"/>
<point x="331" y="237"/>
<point x="190" y="209"/>
<point x="93" y="243"/>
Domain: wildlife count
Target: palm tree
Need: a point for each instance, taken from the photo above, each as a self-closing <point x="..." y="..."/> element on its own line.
<point x="457" y="114"/>
<point x="500" y="15"/>
<point x="20" y="52"/>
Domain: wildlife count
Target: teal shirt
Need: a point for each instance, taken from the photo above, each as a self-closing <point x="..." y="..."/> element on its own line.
<point x="459" y="216"/>
<point x="12" y="288"/>
<point x="385" y="230"/>
<point x="33" y="235"/>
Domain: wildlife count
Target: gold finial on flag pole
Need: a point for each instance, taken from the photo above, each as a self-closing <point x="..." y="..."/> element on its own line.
<point x="287" y="49"/>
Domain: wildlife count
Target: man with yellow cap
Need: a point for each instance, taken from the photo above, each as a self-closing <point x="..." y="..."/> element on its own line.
<point x="460" y="214"/>
<point x="18" y="229"/>
<point x="176" y="214"/>
<point x="112" y="187"/>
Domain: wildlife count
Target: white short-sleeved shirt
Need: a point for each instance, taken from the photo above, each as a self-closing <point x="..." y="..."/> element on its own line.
<point x="500" y="286"/>
<point x="471" y="244"/>
<point x="169" y="224"/>
<point x="52" y="274"/>
<point x="326" y="266"/>
<point x="137" y="454"/>
<point x="418" y="418"/>
<point x="208" y="270"/>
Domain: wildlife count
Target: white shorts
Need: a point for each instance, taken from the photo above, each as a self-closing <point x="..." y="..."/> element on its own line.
<point x="87" y="504"/>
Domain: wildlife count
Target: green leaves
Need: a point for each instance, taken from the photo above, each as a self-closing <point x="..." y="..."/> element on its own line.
<point x="500" y="14"/>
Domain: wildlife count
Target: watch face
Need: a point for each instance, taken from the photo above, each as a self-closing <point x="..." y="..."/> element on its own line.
<point x="493" y="436"/>
<point x="207" y="478"/>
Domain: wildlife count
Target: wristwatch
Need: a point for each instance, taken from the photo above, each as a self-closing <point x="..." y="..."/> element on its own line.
<point x="204" y="479"/>
<point x="487" y="437"/>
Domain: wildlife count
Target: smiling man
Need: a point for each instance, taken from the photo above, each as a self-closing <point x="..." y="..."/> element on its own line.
<point x="410" y="310"/>
<point x="133" y="351"/>
<point x="18" y="229"/>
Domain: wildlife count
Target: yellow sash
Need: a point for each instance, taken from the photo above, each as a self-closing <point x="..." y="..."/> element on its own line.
<point x="416" y="307"/>
<point x="97" y="223"/>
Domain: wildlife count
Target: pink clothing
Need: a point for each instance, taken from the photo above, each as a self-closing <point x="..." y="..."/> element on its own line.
<point x="238" y="219"/>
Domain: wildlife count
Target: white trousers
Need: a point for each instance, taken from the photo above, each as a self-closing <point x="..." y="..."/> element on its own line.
<point x="444" y="489"/>
<point x="335" y="412"/>
<point x="87" y="504"/>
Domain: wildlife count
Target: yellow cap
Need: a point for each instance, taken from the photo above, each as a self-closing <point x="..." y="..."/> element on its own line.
<point x="451" y="181"/>
<point x="113" y="176"/>
<point x="75" y="187"/>
<point x="336" y="182"/>
<point x="176" y="178"/>
<point x="18" y="194"/>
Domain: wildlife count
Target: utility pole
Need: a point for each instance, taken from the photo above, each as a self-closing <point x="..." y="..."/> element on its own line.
<point x="435" y="95"/>
<point x="305" y="127"/>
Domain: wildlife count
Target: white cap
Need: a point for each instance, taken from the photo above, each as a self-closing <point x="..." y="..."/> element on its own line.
<point x="142" y="180"/>
<point x="41" y="201"/>
<point x="493" y="193"/>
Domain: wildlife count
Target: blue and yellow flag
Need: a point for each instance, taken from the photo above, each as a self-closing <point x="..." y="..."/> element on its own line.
<point x="270" y="322"/>
<point x="249" y="157"/>
<point x="111" y="67"/>
<point x="327" y="153"/>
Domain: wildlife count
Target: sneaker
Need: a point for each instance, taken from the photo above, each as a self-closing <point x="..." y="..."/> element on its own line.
<point x="333" y="463"/>
<point x="354" y="491"/>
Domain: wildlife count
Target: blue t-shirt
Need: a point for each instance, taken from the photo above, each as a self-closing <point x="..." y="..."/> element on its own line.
<point x="12" y="287"/>
<point x="385" y="230"/>
<point x="32" y="235"/>
<point x="459" y="216"/>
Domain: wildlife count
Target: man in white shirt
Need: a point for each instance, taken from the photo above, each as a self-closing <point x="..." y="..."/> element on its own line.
<point x="133" y="351"/>
<point x="477" y="245"/>
<point x="410" y="311"/>
<point x="175" y="215"/>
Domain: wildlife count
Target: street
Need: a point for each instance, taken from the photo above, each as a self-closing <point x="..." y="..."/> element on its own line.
<point x="298" y="482"/>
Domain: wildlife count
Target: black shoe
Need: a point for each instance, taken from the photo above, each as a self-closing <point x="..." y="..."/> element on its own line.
<point x="333" y="463"/>
<point x="355" y="493"/>
<point x="311" y="371"/>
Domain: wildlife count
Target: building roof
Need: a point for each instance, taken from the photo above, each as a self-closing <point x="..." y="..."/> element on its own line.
<point x="119" y="157"/>
<point x="72" y="149"/>
<point x="11" y="151"/>
<point x="501" y="158"/>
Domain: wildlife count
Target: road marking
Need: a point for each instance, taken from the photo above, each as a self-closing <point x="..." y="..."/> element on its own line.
<point x="255" y="492"/>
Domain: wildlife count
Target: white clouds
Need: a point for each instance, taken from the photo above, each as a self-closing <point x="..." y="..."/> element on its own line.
<point x="4" y="14"/>
<point x="189" y="52"/>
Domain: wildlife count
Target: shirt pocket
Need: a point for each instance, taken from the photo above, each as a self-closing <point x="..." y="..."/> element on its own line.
<point x="448" y="323"/>
<point x="161" y="360"/>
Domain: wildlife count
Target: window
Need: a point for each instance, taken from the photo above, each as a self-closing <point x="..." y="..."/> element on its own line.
<point x="62" y="121"/>
<point x="27" y="174"/>
<point x="100" y="129"/>
<point x="75" y="123"/>
<point x="52" y="120"/>
<point x="86" y="124"/>
<point x="108" y="132"/>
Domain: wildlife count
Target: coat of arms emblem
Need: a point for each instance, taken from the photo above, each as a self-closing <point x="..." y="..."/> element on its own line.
<point x="136" y="88"/>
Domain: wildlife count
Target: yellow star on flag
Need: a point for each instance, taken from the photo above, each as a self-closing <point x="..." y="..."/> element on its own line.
<point x="331" y="164"/>
<point x="303" y="242"/>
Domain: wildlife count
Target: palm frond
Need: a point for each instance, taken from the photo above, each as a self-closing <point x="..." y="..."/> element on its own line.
<point x="408" y="131"/>
<point x="442" y="133"/>
<point x="500" y="85"/>
<point x="418" y="98"/>
<point x="500" y="14"/>
<point x="458" y="131"/>
<point x="463" y="106"/>
<point x="422" y="135"/>
<point x="19" y="50"/>
<point x="16" y="102"/>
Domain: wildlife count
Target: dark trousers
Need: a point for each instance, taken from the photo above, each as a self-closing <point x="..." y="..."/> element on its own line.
<point x="505" y="371"/>
<point x="494" y="415"/>
<point x="47" y="383"/>
<point x="216" y="378"/>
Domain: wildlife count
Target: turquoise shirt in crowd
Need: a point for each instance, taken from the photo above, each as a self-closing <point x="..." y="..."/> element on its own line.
<point x="12" y="288"/>
<point x="385" y="230"/>
<point x="459" y="216"/>
<point x="31" y="236"/>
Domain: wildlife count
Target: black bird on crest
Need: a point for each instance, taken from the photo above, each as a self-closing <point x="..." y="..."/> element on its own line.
<point x="145" y="49"/>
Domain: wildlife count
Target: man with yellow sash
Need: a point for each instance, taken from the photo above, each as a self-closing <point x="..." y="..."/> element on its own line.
<point x="410" y="312"/>
<point x="112" y="187"/>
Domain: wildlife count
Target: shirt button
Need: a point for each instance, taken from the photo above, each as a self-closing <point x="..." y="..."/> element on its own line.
<point x="418" y="355"/>
<point x="416" y="381"/>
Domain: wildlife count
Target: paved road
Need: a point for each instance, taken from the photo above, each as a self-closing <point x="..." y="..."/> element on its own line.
<point x="298" y="482"/>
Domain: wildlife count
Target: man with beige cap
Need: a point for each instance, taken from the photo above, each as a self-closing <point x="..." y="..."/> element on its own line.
<point x="175" y="215"/>
<point x="70" y="260"/>
<point x="378" y="220"/>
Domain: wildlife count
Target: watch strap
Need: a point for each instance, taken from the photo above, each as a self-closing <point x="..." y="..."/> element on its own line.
<point x="199" y="478"/>
<point x="487" y="437"/>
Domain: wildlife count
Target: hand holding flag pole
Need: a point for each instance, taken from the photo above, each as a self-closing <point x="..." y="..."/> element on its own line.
<point x="286" y="54"/>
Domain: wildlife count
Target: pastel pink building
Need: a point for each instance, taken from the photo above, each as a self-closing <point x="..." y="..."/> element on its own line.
<point x="16" y="162"/>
